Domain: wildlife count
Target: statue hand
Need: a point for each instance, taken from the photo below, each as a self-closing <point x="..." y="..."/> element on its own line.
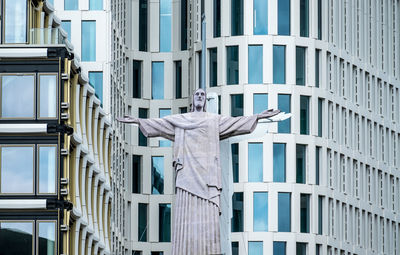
<point x="128" y="119"/>
<point x="268" y="114"/>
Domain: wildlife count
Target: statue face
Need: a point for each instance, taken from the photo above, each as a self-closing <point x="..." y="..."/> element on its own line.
<point x="199" y="98"/>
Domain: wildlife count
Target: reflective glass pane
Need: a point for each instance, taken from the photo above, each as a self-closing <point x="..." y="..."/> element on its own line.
<point x="137" y="79"/>
<point x="15" y="21"/>
<point x="143" y="12"/>
<point x="279" y="162"/>
<point x="319" y="117"/>
<point x="178" y="79"/>
<point x="96" y="5"/>
<point x="301" y="248"/>
<point x="96" y="80"/>
<point x="284" y="220"/>
<point x="157" y="80"/>
<point x="70" y="4"/>
<point x="304" y="115"/>
<point x="142" y="139"/>
<point x="235" y="248"/>
<point x="320" y="215"/>
<point x="255" y="248"/>
<point x="232" y="65"/>
<point x="284" y="106"/>
<point x="235" y="161"/>
<point x="304" y="213"/>
<point x="260" y="211"/>
<point x="255" y="160"/>
<point x="157" y="175"/>
<point x="165" y="25"/>
<point x="142" y="222"/>
<point x="47" y="238"/>
<point x="317" y="57"/>
<point x="164" y="233"/>
<point x="237" y="105"/>
<point x="236" y="17"/>
<point x="17" y="174"/>
<point x="51" y="1"/>
<point x="237" y="212"/>
<point x="301" y="163"/>
<point x="279" y="248"/>
<point x="260" y="17"/>
<point x="66" y="25"/>
<point x="136" y="174"/>
<point x="164" y="142"/>
<point x="47" y="169"/>
<point x="16" y="237"/>
<point x="279" y="67"/>
<point x="213" y="67"/>
<point x="319" y="19"/>
<point x="255" y="68"/>
<point x="260" y="103"/>
<point x="217" y="18"/>
<point x="300" y="65"/>
<point x="48" y="96"/>
<point x="283" y="17"/>
<point x="184" y="21"/>
<point x="304" y="13"/>
<point x="88" y="50"/>
<point x="17" y="96"/>
<point x="317" y="164"/>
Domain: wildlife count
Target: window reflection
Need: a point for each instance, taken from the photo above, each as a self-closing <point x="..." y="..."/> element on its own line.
<point x="157" y="175"/>
<point x="304" y="18"/>
<point x="142" y="222"/>
<point x="16" y="174"/>
<point x="164" y="233"/>
<point x="260" y="17"/>
<point x="213" y="67"/>
<point x="279" y="59"/>
<point x="96" y="80"/>
<point x="279" y="162"/>
<point x="47" y="237"/>
<point x="70" y="5"/>
<point x="236" y="17"/>
<point x="283" y="17"/>
<point x="47" y="169"/>
<point x="164" y="142"/>
<point x="300" y="65"/>
<point x="96" y="5"/>
<point x="157" y="80"/>
<point x="255" y="160"/>
<point x="255" y="64"/>
<point x="88" y="50"/>
<point x="66" y="25"/>
<point x="279" y="248"/>
<point x="284" y="105"/>
<point x="143" y="112"/>
<point x="48" y="96"/>
<point x="17" y="96"/>
<point x="15" y="21"/>
<point x="260" y="103"/>
<point x="232" y="65"/>
<point x="301" y="150"/>
<point x="165" y="25"/>
<point x="260" y="211"/>
<point x="16" y="237"/>
<point x="284" y="220"/>
<point x="237" y="212"/>
<point x="304" y="115"/>
<point x="237" y="105"/>
<point x="256" y="248"/>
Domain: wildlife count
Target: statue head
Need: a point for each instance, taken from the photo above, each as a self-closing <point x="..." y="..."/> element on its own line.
<point x="199" y="101"/>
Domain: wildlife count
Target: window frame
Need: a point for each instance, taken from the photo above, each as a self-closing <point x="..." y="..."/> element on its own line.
<point x="38" y="95"/>
<point x="3" y="22"/>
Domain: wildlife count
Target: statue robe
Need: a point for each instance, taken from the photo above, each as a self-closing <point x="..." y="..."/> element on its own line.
<point x="196" y="137"/>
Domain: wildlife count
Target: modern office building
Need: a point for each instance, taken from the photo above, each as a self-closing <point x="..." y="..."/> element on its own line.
<point x="55" y="140"/>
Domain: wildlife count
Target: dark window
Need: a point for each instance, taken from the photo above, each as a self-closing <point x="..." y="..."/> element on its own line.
<point x="237" y="215"/>
<point x="232" y="65"/>
<point x="178" y="79"/>
<point x="183" y="24"/>
<point x="284" y="204"/>
<point x="136" y="174"/>
<point x="236" y="17"/>
<point x="157" y="175"/>
<point x="237" y="105"/>
<point x="317" y="164"/>
<point x="317" y="64"/>
<point x="304" y="18"/>
<point x="143" y="5"/>
<point x="260" y="17"/>
<point x="301" y="248"/>
<point x="142" y="222"/>
<point x="320" y="216"/>
<point x="235" y="248"/>
<point x="213" y="67"/>
<point x="198" y="54"/>
<point x="143" y="113"/>
<point x="300" y="65"/>
<point x="301" y="163"/>
<point x="235" y="161"/>
<point x="164" y="231"/>
<point x="283" y="17"/>
<point x="304" y="213"/>
<point x="217" y="18"/>
<point x="304" y="115"/>
<point x="182" y="109"/>
<point x="319" y="19"/>
<point x="137" y="79"/>
<point x="279" y="248"/>
<point x="284" y="106"/>
<point x="157" y="253"/>
<point x="320" y="117"/>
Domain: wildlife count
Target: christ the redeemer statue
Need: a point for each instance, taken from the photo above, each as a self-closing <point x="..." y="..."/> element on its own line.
<point x="196" y="137"/>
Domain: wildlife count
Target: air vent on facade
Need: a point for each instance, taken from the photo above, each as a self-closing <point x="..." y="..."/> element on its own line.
<point x="64" y="152"/>
<point x="64" y="76"/>
<point x="64" y="116"/>
<point x="63" y="228"/>
<point x="64" y="181"/>
<point x="64" y="192"/>
<point x="64" y="105"/>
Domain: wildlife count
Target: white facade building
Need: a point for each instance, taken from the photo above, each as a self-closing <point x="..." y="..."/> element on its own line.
<point x="327" y="181"/>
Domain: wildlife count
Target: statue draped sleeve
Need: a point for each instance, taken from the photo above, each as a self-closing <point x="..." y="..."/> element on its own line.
<point x="232" y="126"/>
<point x="157" y="127"/>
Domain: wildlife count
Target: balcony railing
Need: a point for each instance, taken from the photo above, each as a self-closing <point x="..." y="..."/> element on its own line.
<point x="45" y="36"/>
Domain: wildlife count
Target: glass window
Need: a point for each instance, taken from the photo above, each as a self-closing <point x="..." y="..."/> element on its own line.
<point x="17" y="96"/>
<point x="47" y="237"/>
<point x="304" y="115"/>
<point x="260" y="17"/>
<point x="70" y="5"/>
<point x="235" y="161"/>
<point x="279" y="248"/>
<point x="320" y="117"/>
<point x="47" y="169"/>
<point x="142" y="222"/>
<point x="137" y="79"/>
<point x="301" y="163"/>
<point x="96" y="5"/>
<point x="178" y="79"/>
<point x="66" y="25"/>
<point x="157" y="80"/>
<point x="16" y="237"/>
<point x="143" y="113"/>
<point x="284" y="105"/>
<point x="284" y="220"/>
<point x="300" y="65"/>
<point x="255" y="248"/>
<point x="182" y="109"/>
<point x="164" y="142"/>
<point x="237" y="105"/>
<point x="88" y="50"/>
<point x="48" y="95"/>
<point x="96" y="80"/>
<point x="279" y="162"/>
<point x="260" y="211"/>
<point x="143" y="5"/>
<point x="301" y="248"/>
<point x="319" y="19"/>
<point x="51" y="1"/>
<point x="157" y="253"/>
<point x="304" y="12"/>
<point x="235" y="248"/>
<point x="304" y="213"/>
<point x="255" y="160"/>
<point x="15" y="21"/>
<point x="317" y="57"/>
<point x="237" y="212"/>
<point x="183" y="24"/>
<point x="165" y="25"/>
<point x="279" y="67"/>
<point x="232" y="65"/>
<point x="320" y="215"/>
<point x="157" y="175"/>
<point x="283" y="17"/>
<point x="136" y="174"/>
<point x="317" y="164"/>
<point x="217" y="18"/>
<point x="213" y="67"/>
<point x="164" y="231"/>
<point x="236" y="17"/>
<point x="255" y="67"/>
<point x="16" y="175"/>
<point x="260" y="103"/>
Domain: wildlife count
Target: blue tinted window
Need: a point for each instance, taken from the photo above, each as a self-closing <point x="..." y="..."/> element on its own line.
<point x="301" y="150"/>
<point x="255" y="68"/>
<point x="283" y="17"/>
<point x="96" y="5"/>
<point x="47" y="169"/>
<point x="260" y="17"/>
<point x="284" y="105"/>
<point x="237" y="17"/>
<point x="279" y="248"/>
<point x="260" y="211"/>
<point x="304" y="213"/>
<point x="51" y="1"/>
<point x="255" y="159"/>
<point x="142" y="222"/>
<point x="66" y="25"/>
<point x="157" y="175"/>
<point x="279" y="162"/>
<point x="164" y="142"/>
<point x="96" y="80"/>
<point x="279" y="67"/>
<point x="304" y="18"/>
<point x="260" y="103"/>
<point x="301" y="248"/>
<point x="15" y="15"/>
<point x="88" y="41"/>
<point x="232" y="65"/>
<point x="70" y="4"/>
<point x="300" y="65"/>
<point x="284" y="221"/>
<point x="165" y="25"/>
<point x="157" y="80"/>
<point x="304" y="115"/>
<point x="256" y="248"/>
<point x="237" y="212"/>
<point x="237" y="105"/>
<point x="142" y="139"/>
<point x="164" y="223"/>
<point x="235" y="161"/>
